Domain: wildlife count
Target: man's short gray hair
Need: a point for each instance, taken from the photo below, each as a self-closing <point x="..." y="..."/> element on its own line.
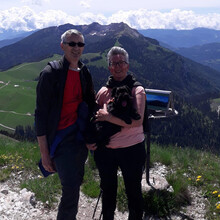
<point x="115" y="51"/>
<point x="69" y="33"/>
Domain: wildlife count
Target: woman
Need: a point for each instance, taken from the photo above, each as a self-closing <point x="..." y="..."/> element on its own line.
<point x="126" y="149"/>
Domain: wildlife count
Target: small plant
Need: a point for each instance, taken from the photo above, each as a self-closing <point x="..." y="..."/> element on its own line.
<point x="90" y="185"/>
<point x="159" y="203"/>
<point x="181" y="194"/>
<point x="187" y="167"/>
<point x="45" y="189"/>
<point x="4" y="174"/>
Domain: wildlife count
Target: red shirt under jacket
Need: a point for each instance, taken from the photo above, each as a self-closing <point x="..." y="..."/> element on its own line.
<point x="71" y="99"/>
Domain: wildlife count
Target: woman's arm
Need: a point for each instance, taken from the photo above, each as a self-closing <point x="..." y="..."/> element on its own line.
<point x="139" y="104"/>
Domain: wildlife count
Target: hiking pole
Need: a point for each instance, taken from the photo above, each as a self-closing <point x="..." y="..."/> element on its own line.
<point x="148" y="155"/>
<point x="100" y="217"/>
<point x="97" y="206"/>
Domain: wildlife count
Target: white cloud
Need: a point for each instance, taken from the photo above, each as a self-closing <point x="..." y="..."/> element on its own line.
<point x="17" y="19"/>
<point x="85" y="4"/>
<point x="34" y="2"/>
<point x="25" y="18"/>
<point x="175" y="19"/>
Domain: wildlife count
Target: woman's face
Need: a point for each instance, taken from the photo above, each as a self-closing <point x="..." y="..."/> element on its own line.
<point x="118" y="67"/>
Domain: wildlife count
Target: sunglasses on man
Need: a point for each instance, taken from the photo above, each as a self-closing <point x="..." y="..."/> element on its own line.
<point x="73" y="44"/>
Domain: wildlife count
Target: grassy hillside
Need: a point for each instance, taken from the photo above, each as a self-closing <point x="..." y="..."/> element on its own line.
<point x="206" y="54"/>
<point x="18" y="93"/>
<point x="187" y="168"/>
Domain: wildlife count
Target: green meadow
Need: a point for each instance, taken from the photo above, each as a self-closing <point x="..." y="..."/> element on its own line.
<point x="18" y="94"/>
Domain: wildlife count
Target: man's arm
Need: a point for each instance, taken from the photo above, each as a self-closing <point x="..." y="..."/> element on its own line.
<point x="45" y="155"/>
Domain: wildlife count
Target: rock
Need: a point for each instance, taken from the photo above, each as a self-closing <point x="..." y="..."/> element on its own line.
<point x="17" y="204"/>
<point x="4" y="192"/>
<point x="33" y="201"/>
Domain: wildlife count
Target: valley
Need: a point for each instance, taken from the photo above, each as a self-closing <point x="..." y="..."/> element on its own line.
<point x="193" y="85"/>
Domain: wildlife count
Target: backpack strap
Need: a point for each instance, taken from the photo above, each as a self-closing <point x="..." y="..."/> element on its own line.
<point x="54" y="64"/>
<point x="145" y="120"/>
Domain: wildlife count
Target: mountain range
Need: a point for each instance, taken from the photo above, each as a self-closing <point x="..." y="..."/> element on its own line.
<point x="207" y="54"/>
<point x="154" y="65"/>
<point x="13" y="34"/>
<point x="201" y="44"/>
<point x="183" y="38"/>
<point x="10" y="37"/>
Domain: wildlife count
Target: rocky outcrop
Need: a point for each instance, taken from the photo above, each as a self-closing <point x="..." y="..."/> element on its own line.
<point x="17" y="204"/>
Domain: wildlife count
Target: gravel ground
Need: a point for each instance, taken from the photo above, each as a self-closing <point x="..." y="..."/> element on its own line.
<point x="17" y="204"/>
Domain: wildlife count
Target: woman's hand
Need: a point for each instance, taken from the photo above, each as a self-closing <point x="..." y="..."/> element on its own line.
<point x="103" y="114"/>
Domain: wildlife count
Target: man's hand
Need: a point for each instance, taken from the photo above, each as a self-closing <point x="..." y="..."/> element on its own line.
<point x="91" y="146"/>
<point x="45" y="155"/>
<point x="48" y="163"/>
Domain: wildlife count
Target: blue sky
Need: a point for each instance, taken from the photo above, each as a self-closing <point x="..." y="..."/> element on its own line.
<point x="139" y="14"/>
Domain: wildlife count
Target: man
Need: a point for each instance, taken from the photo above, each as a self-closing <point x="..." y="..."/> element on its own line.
<point x="65" y="94"/>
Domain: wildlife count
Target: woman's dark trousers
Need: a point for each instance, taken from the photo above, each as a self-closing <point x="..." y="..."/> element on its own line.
<point x="131" y="161"/>
<point x="69" y="159"/>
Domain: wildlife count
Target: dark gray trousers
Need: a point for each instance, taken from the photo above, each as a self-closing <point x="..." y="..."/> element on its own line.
<point x="131" y="161"/>
<point x="69" y="159"/>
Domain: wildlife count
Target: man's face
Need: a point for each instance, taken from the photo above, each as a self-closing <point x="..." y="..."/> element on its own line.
<point x="118" y="67"/>
<point x="72" y="53"/>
